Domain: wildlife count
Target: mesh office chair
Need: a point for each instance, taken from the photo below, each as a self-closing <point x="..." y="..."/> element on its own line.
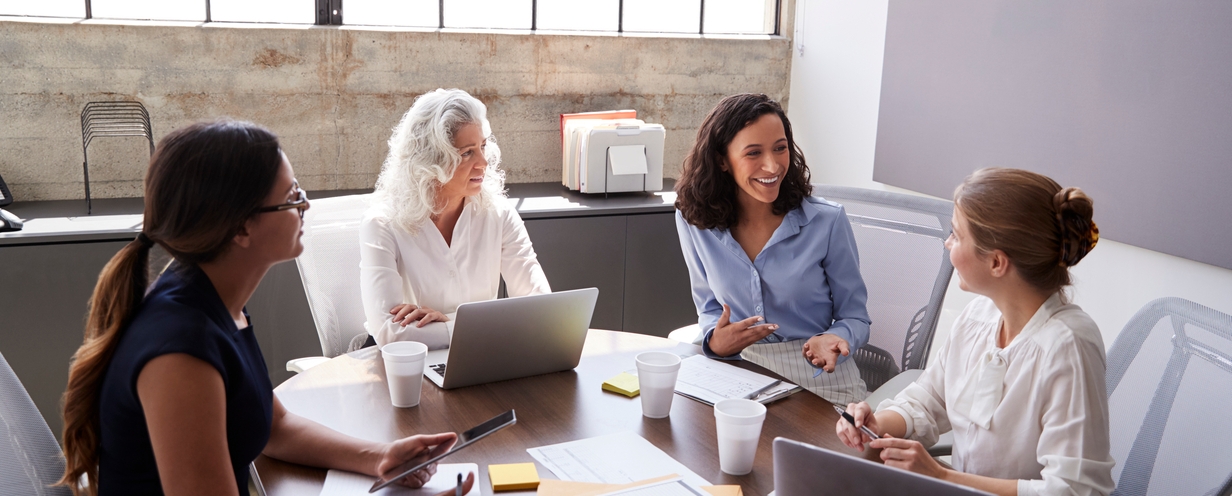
<point x="30" y="458"/>
<point x="329" y="268"/>
<point x="1169" y="397"/>
<point x="906" y="268"/>
<point x="905" y="265"/>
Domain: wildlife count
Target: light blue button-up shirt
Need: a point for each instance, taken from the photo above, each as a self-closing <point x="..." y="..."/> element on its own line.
<point x="806" y="279"/>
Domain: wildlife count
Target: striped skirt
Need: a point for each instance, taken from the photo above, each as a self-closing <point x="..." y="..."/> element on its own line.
<point x="786" y="358"/>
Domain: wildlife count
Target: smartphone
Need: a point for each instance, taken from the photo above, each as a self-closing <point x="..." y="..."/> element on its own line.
<point x="465" y="439"/>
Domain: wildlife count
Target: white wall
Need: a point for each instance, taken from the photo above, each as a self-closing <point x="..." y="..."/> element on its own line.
<point x="835" y="92"/>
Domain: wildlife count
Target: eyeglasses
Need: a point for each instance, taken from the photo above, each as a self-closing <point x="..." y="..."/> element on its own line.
<point x="300" y="202"/>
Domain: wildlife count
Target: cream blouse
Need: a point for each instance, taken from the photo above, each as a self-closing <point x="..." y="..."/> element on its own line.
<point x="399" y="267"/>
<point x="1036" y="411"/>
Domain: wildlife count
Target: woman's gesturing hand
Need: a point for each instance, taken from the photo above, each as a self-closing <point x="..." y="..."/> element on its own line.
<point x="823" y="350"/>
<point x="407" y="313"/>
<point x="730" y="337"/>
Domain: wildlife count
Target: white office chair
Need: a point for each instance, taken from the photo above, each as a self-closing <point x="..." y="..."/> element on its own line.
<point x="329" y="268"/>
<point x="30" y="458"/>
<point x="1169" y="377"/>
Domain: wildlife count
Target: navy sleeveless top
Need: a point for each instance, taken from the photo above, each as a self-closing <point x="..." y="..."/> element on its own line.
<point x="182" y="313"/>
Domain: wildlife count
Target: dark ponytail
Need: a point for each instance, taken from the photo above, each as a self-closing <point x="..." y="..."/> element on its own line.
<point x="203" y="183"/>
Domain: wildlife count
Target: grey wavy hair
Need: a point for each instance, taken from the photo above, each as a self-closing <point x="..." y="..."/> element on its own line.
<point x="422" y="157"/>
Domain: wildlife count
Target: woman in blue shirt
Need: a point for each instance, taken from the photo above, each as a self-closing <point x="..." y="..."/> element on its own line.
<point x="775" y="272"/>
<point x="169" y="392"/>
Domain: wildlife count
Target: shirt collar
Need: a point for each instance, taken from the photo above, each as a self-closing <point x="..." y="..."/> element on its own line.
<point x="1045" y="312"/>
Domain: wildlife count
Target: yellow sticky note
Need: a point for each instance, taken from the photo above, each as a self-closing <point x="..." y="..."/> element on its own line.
<point x="726" y="490"/>
<point x="624" y="383"/>
<point x="513" y="476"/>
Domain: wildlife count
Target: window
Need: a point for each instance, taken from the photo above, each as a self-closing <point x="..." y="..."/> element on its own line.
<point x="45" y="8"/>
<point x="161" y="10"/>
<point x="633" y="16"/>
<point x="278" y="11"/>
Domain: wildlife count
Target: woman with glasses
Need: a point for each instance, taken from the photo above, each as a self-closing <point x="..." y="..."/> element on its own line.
<point x="169" y="392"/>
<point x="440" y="232"/>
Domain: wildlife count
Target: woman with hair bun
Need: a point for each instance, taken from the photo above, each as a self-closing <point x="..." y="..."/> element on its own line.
<point x="1021" y="379"/>
<point x="440" y="232"/>
<point x="169" y="392"/>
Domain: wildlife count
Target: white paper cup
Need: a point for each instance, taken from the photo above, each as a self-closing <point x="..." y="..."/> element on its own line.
<point x="656" y="377"/>
<point x="739" y="425"/>
<point x="404" y="366"/>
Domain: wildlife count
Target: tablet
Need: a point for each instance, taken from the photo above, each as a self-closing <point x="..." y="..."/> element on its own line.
<point x="465" y="439"/>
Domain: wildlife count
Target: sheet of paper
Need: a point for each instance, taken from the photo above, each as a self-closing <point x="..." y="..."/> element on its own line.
<point x="710" y="381"/>
<point x="343" y="483"/>
<point x="671" y="487"/>
<point x="627" y="159"/>
<point x="553" y="487"/>
<point x="613" y="459"/>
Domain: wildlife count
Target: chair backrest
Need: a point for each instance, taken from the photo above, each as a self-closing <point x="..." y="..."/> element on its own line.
<point x="30" y="458"/>
<point x="901" y="239"/>
<point x="329" y="268"/>
<point x="1169" y="398"/>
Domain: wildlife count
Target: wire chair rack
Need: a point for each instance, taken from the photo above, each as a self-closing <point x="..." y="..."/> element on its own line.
<point x="111" y="119"/>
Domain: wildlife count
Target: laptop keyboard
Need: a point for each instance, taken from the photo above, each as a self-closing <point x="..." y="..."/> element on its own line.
<point x="438" y="368"/>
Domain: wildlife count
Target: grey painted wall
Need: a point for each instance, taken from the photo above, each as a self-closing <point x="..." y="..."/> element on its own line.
<point x="333" y="94"/>
<point x="1129" y="99"/>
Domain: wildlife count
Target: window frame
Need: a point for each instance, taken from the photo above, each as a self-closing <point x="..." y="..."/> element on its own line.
<point x="329" y="13"/>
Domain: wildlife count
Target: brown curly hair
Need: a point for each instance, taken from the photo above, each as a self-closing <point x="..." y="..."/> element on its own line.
<point x="705" y="193"/>
<point x="1043" y="228"/>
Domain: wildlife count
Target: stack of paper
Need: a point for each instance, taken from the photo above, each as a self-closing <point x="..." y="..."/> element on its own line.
<point x="577" y="145"/>
<point x="710" y="381"/>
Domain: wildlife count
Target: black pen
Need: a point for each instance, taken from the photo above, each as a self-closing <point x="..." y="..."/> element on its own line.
<point x="852" y="421"/>
<point x="458" y="490"/>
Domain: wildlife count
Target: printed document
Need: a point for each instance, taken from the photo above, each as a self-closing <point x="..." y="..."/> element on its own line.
<point x="613" y="459"/>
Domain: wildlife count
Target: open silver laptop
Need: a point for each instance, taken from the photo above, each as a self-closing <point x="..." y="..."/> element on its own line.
<point x="509" y="338"/>
<point x="803" y="470"/>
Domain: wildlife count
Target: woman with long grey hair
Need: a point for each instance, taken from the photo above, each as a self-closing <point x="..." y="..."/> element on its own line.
<point x="439" y="232"/>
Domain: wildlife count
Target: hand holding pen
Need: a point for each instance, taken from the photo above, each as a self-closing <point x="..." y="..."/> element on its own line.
<point x="857" y="425"/>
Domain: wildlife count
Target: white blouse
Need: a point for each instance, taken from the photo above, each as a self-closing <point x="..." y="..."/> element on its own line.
<point x="1036" y="411"/>
<point x="399" y="267"/>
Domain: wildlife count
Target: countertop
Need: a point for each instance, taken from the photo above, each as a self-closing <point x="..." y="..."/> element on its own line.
<point x="65" y="221"/>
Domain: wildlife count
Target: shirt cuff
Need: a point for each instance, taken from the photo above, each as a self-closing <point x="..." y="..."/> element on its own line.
<point x="907" y="419"/>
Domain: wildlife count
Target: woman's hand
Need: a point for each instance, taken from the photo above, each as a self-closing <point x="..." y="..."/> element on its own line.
<point x="406" y="313"/>
<point x="908" y="455"/>
<point x="851" y="435"/>
<point x="730" y="338"/>
<point x="823" y="350"/>
<point x="414" y="449"/>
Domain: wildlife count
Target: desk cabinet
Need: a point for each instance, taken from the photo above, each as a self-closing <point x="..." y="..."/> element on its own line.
<point x="634" y="260"/>
<point x="44" y="293"/>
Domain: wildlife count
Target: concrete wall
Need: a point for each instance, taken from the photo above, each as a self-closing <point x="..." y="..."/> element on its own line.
<point x="835" y="103"/>
<point x="333" y="94"/>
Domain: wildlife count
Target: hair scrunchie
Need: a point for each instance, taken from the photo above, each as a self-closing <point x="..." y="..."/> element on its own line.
<point x="145" y="240"/>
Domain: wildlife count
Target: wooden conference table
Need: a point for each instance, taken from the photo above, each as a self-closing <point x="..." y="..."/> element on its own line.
<point x="349" y="394"/>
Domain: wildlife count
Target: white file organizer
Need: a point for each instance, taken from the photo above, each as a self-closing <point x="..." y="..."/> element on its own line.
<point x="615" y="159"/>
